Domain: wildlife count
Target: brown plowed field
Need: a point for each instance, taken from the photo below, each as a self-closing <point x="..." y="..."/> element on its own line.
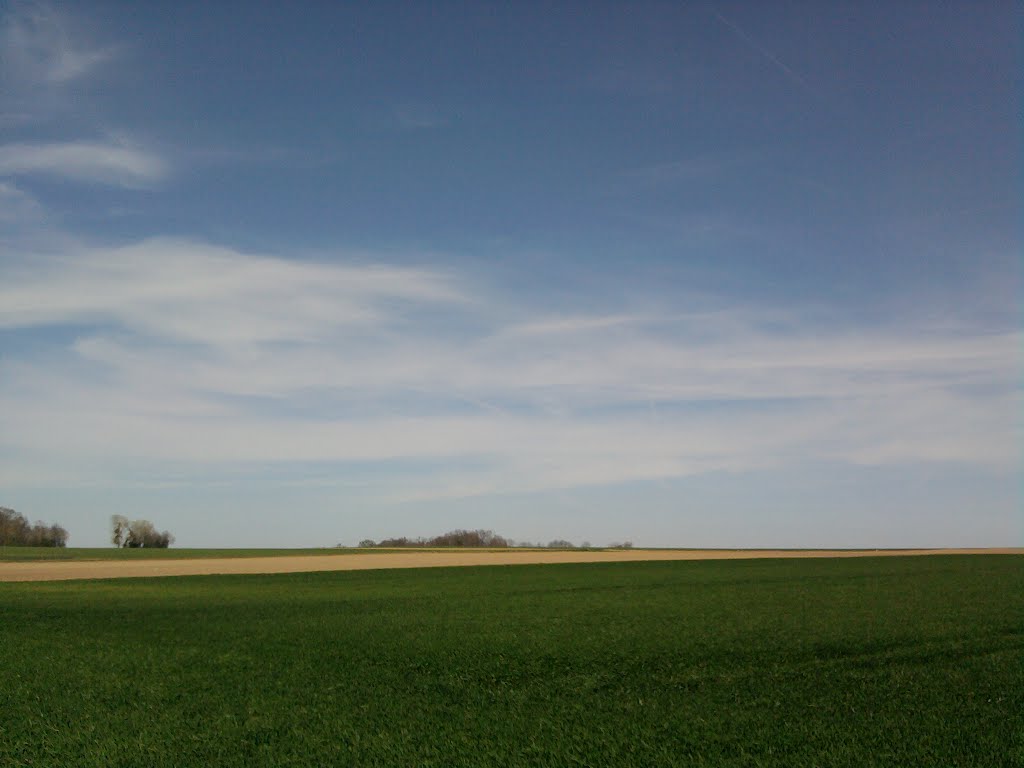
<point x="114" y="569"/>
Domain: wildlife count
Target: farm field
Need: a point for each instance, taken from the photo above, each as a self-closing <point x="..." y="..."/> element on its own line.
<point x="287" y="561"/>
<point x="15" y="554"/>
<point x="26" y="554"/>
<point x="799" y="662"/>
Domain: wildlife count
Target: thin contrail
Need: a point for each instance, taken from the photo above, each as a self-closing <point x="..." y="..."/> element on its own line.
<point x="788" y="71"/>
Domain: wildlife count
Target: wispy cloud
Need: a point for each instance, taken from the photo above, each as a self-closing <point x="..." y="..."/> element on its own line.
<point x="38" y="45"/>
<point x="17" y="206"/>
<point x="99" y="162"/>
<point x="571" y="325"/>
<point x="194" y="292"/>
<point x="192" y="354"/>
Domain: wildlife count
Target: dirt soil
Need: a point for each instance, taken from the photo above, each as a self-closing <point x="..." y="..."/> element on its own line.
<point x="113" y="569"/>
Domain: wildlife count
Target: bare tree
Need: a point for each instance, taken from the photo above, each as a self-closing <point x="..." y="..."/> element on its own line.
<point x="13" y="527"/>
<point x="136" y="534"/>
<point x="15" y="531"/>
<point x="58" y="536"/>
<point x="456" y="538"/>
<point x="139" y="532"/>
<point x="118" y="529"/>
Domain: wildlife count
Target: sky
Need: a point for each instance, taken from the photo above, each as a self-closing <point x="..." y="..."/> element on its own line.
<point x="683" y="274"/>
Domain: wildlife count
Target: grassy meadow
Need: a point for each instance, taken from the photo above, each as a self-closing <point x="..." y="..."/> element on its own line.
<point x="25" y="554"/>
<point x="915" y="661"/>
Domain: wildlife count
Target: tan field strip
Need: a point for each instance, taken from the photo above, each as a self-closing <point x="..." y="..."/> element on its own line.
<point x="116" y="569"/>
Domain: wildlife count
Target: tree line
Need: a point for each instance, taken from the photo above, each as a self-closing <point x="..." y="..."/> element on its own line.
<point x="458" y="538"/>
<point x="16" y="531"/>
<point x="135" y="534"/>
<point x="478" y="538"/>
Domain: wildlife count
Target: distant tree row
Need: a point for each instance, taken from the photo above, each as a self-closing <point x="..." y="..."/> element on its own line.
<point x="563" y="544"/>
<point x="135" y="534"/>
<point x="15" y="531"/>
<point x="459" y="538"/>
<point x="478" y="538"/>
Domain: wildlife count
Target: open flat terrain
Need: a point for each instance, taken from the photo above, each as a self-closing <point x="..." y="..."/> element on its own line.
<point x="855" y="661"/>
<point x="283" y="561"/>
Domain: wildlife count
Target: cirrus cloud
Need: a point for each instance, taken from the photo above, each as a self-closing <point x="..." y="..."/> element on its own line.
<point x="98" y="162"/>
<point x="185" y="353"/>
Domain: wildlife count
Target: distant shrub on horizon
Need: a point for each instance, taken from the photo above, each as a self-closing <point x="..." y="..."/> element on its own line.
<point x="456" y="538"/>
<point x="15" y="531"/>
<point x="137" y="534"/>
<point x="478" y="538"/>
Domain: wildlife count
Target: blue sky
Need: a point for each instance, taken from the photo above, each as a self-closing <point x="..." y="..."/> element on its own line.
<point x="686" y="274"/>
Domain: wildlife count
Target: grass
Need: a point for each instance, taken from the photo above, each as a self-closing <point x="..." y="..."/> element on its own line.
<point x="24" y="554"/>
<point x="20" y="554"/>
<point x="862" y="662"/>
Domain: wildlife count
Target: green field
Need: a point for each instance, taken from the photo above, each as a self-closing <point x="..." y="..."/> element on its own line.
<point x="20" y="554"/>
<point x="24" y="554"/>
<point x="915" y="661"/>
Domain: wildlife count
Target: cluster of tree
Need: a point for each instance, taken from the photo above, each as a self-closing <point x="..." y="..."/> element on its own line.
<point x="137" y="533"/>
<point x="459" y="538"/>
<point x="553" y="544"/>
<point x="16" y="531"/>
<point x="479" y="538"/>
<point x="563" y="544"/>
